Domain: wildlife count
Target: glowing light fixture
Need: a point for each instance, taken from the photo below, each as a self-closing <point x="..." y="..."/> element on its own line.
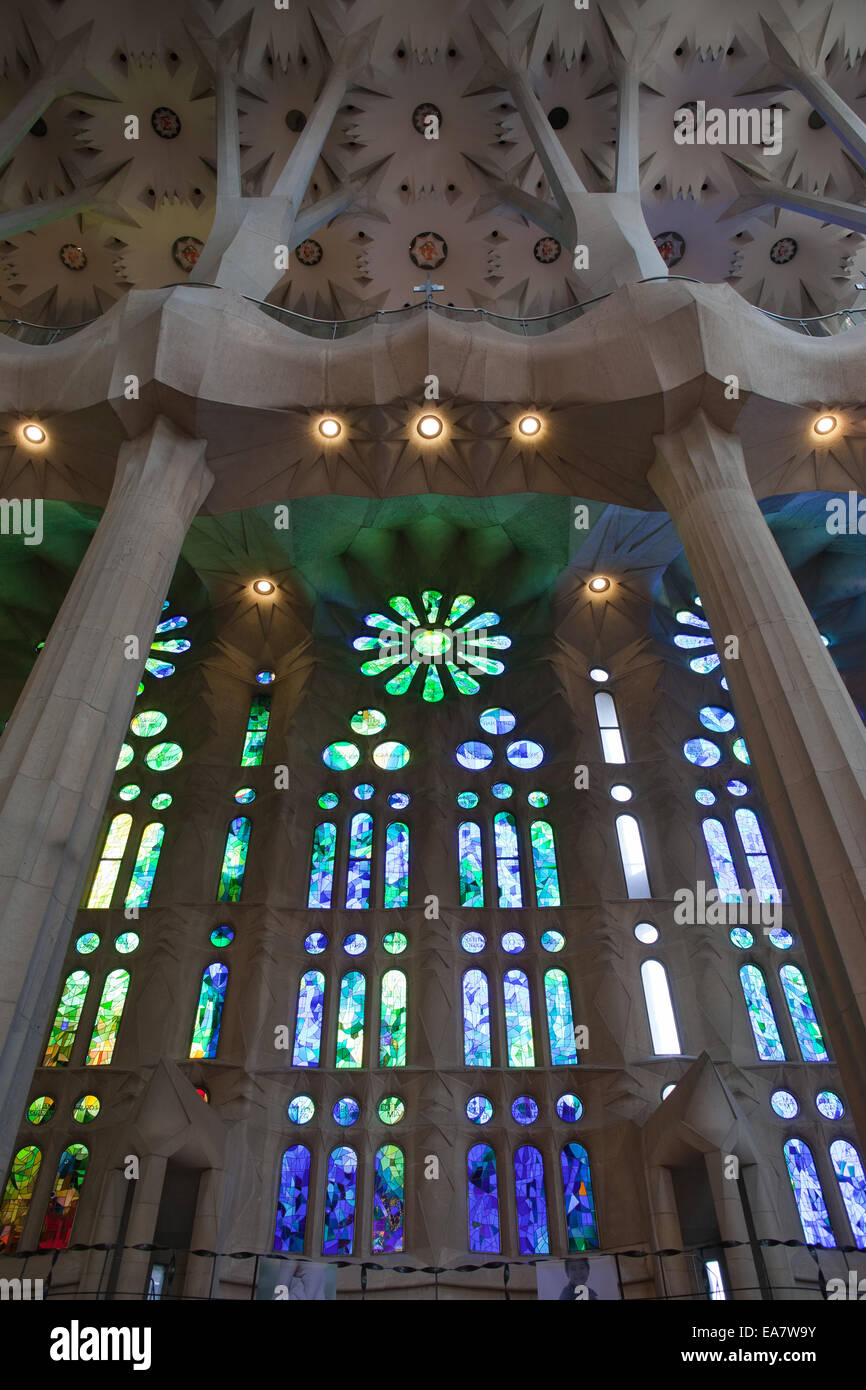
<point x="429" y="426"/>
<point x="599" y="584"/>
<point x="530" y="424"/>
<point x="825" y="424"/>
<point x="34" y="434"/>
<point x="264" y="586"/>
<point x="329" y="427"/>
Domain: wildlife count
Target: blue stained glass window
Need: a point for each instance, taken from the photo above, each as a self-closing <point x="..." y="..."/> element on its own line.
<point x="476" y="1019"/>
<point x="829" y="1105"/>
<point x="292" y="1200"/>
<point x="524" y="753"/>
<point x="560" y="1024"/>
<point x="544" y="864"/>
<point x="388" y="1200"/>
<point x="315" y="943"/>
<point x="497" y="721"/>
<point x="474" y="754"/>
<point x="702" y="752"/>
<point x="483" y="1200"/>
<point x="473" y="942"/>
<point x="513" y="942"/>
<point x="518" y="1020"/>
<point x="144" y="872"/>
<point x="569" y="1108"/>
<point x="580" y="1223"/>
<point x="761" y="1015"/>
<point x="507" y="862"/>
<point x="308" y="1022"/>
<point x="722" y="860"/>
<point x="211" y="1000"/>
<point x="479" y="1109"/>
<point x="340" y="1202"/>
<point x="756" y="854"/>
<point x="531" y="1202"/>
<point x="552" y="940"/>
<point x="717" y="719"/>
<point x="809" y="1195"/>
<point x="322" y="865"/>
<point x="784" y="1104"/>
<point x="809" y="1038"/>
<point x="852" y="1185"/>
<point x="397" y="865"/>
<point x="471" y="866"/>
<point x="234" y="860"/>
<point x="360" y="858"/>
<point x="350" y="1022"/>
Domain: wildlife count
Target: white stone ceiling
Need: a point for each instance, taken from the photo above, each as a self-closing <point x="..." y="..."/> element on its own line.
<point x="130" y="58"/>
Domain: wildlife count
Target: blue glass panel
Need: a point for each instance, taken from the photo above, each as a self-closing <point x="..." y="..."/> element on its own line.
<point x="761" y="1015"/>
<point x="350" y="1022"/>
<point x="580" y="1224"/>
<point x="476" y="1019"/>
<point x="483" y="1200"/>
<point x="702" y="752"/>
<point x="852" y="1185"/>
<point x="209" y="1014"/>
<point x="544" y="864"/>
<point x="397" y="865"/>
<point x="560" y="1024"/>
<point x="308" y="1023"/>
<point x="518" y="1020"/>
<point x="293" y="1199"/>
<point x="474" y="754"/>
<point x="808" y="1195"/>
<point x="507" y="863"/>
<point x="388" y="1200"/>
<point x="717" y="719"/>
<point x="322" y="865"/>
<point x="809" y="1038"/>
<point x="234" y="861"/>
<point x="756" y="854"/>
<point x="722" y="860"/>
<point x="471" y="867"/>
<point x="360" y="855"/>
<point x="531" y="1202"/>
<point x="340" y="1202"/>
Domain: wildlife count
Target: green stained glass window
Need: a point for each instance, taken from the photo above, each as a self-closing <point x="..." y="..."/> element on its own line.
<point x="17" y="1196"/>
<point x="161" y="801"/>
<point x="57" y="1226"/>
<point x="350" y="1022"/>
<point x="149" y="723"/>
<point x="174" y="645"/>
<point x="234" y="860"/>
<point x="397" y="865"/>
<point x="518" y="1020"/>
<point x="368" y="721"/>
<point x="87" y="943"/>
<point x="85" y="1109"/>
<point x="328" y="800"/>
<point x="141" y="883"/>
<point x="544" y="864"/>
<point x="471" y="867"/>
<point x="257" y="731"/>
<point x="322" y="865"/>
<point x="538" y="799"/>
<point x="560" y="1023"/>
<point x="391" y="1110"/>
<point x="391" y="756"/>
<point x="66" y="1020"/>
<point x="163" y="756"/>
<point x="109" y="864"/>
<point x="467" y="800"/>
<point x="125" y="756"/>
<point x="803" y="1017"/>
<point x="208" y="1018"/>
<point x="221" y="936"/>
<point x="392" y="1037"/>
<point x="395" y="943"/>
<point x="40" y="1110"/>
<point x="340" y="756"/>
<point x="127" y="942"/>
<point x="108" y="1016"/>
<point x="129" y="792"/>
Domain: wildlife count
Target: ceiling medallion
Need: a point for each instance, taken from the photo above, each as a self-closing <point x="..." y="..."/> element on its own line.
<point x="73" y="257"/>
<point x="425" y="109"/>
<point x="309" y="252"/>
<point x="783" y="251"/>
<point x="671" y="247"/>
<point x="547" y="250"/>
<point x="186" y="251"/>
<point x="166" y="123"/>
<point x="428" y="250"/>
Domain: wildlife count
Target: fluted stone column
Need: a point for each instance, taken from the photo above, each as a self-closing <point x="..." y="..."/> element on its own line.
<point x="59" y="750"/>
<point x="205" y="1234"/>
<point x="142" y="1227"/>
<point x="805" y="737"/>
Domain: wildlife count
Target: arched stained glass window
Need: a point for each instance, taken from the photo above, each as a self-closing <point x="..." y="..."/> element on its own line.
<point x="476" y="1019"/>
<point x="544" y="864"/>
<point x="17" y="1196"/>
<point x="234" y="860"/>
<point x="209" y="1013"/>
<point x="257" y="731"/>
<point x="809" y="1038"/>
<point x="722" y="860"/>
<point x="529" y="1192"/>
<point x="809" y="1195"/>
<point x="756" y="853"/>
<point x="852" y="1185"/>
<point x="109" y="863"/>
<point x="761" y="1015"/>
<point x="471" y="866"/>
<point x="322" y="865"/>
<point x="293" y="1200"/>
<point x="141" y="883"/>
<point x="388" y="1201"/>
<point x="580" y="1224"/>
<point x="360" y="860"/>
<point x="397" y="865"/>
<point x="560" y="1023"/>
<point x="660" y="1009"/>
<point x="632" y="856"/>
<point x="63" y="1202"/>
<point x="340" y="1202"/>
<point x="108" y="1016"/>
<point x="518" y="1020"/>
<point x="392" y="1034"/>
<point x="66" y="1020"/>
<point x="308" y="1021"/>
<point x="350" y="1021"/>
<point x="507" y="861"/>
<point x="483" y="1199"/>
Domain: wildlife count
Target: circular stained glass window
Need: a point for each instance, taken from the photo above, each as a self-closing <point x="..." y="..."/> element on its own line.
<point x="85" y="1109"/>
<point x="552" y="941"/>
<point x="346" y="1111"/>
<point x="328" y="800"/>
<point x="339" y="757"/>
<point x="355" y="944"/>
<point x="599" y="674"/>
<point x="740" y="751"/>
<point x="781" y="939"/>
<point x="621" y="792"/>
<point x="301" y="1110"/>
<point x="391" y="756"/>
<point x="524" y="1110"/>
<point x="41" y="1109"/>
<point x="741" y="938"/>
<point x="148" y="723"/>
<point x="127" y="942"/>
<point x="467" y="800"/>
<point x="129" y="792"/>
<point x="569" y="1108"/>
<point x="646" y="933"/>
<point x="398" y="801"/>
<point x="222" y="936"/>
<point x="702" y="752"/>
<point x="315" y="943"/>
<point x="391" y="1109"/>
<point x="473" y="942"/>
<point x="513" y="942"/>
<point x="502" y="790"/>
<point x="368" y="721"/>
<point x="479" y="1110"/>
<point x="524" y="753"/>
<point x="784" y="1104"/>
<point x="497" y="721"/>
<point x="265" y="677"/>
<point x="717" y="719"/>
<point x="161" y="801"/>
<point x="87" y="943"/>
<point x="474" y="755"/>
<point x="245" y="795"/>
<point x="829" y="1105"/>
<point x="705" y="797"/>
<point x="163" y="756"/>
<point x="737" y="788"/>
<point x="125" y="757"/>
<point x="364" y="791"/>
<point x="538" y="799"/>
<point x="395" y="943"/>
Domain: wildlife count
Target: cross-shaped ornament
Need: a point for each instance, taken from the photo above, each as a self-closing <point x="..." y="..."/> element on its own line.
<point x="428" y="287"/>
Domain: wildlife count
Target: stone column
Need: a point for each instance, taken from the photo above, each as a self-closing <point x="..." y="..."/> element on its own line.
<point x="205" y="1234"/>
<point x="804" y="735"/>
<point x="142" y="1227"/>
<point x="673" y="1278"/>
<point x="59" y="750"/>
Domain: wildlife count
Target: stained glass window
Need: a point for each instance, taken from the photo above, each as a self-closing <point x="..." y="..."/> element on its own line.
<point x="660" y="1009"/>
<point x="544" y="864"/>
<point x="257" y="731"/>
<point x="476" y="1019"/>
<point x="209" y="1013"/>
<point x="108" y="1016"/>
<point x="524" y="753"/>
<point x="17" y="1196"/>
<point x="148" y="723"/>
<point x="322" y="865"/>
<point x="308" y="1021"/>
<point x="761" y="1015"/>
<point x="66" y="1020"/>
<point x="809" y="1195"/>
<point x="580" y="1224"/>
<point x="109" y="864"/>
<point x="717" y="719"/>
<point x="722" y="860"/>
<point x="163" y="756"/>
<point x="560" y="1024"/>
<point x="392" y="1035"/>
<point x="397" y="865"/>
<point x="388" y="1200"/>
<point x="350" y="1021"/>
<point x="40" y="1110"/>
<point x="293" y="1200"/>
<point x="360" y="861"/>
<point x="608" y="727"/>
<point x="141" y="883"/>
<point x="483" y="1199"/>
<point x="471" y="866"/>
<point x="474" y="755"/>
<point x="531" y="1202"/>
<point x="234" y="860"/>
<point x="632" y="856"/>
<point x="497" y="720"/>
<point x="63" y="1202"/>
<point x="702" y="752"/>
<point x="507" y="862"/>
<point x="391" y="756"/>
<point x="340" y="1202"/>
<point x="518" y="1020"/>
<point x="852" y="1185"/>
<point x="756" y="853"/>
<point x="340" y="756"/>
<point x="809" y="1038"/>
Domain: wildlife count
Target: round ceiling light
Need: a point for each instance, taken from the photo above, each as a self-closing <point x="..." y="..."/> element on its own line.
<point x="329" y="427"/>
<point x="825" y="424"/>
<point x="599" y="584"/>
<point x="529" y="425"/>
<point x="429" y="426"/>
<point x="264" y="586"/>
<point x="34" y="434"/>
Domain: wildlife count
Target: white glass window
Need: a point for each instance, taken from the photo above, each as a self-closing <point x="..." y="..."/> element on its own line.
<point x="632" y="855"/>
<point x="660" y="1009"/>
<point x="608" y="727"/>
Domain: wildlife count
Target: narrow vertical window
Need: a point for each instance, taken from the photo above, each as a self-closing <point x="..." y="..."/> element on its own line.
<point x="722" y="860"/>
<point x="532" y="1233"/>
<point x="109" y="863"/>
<point x="660" y="1009"/>
<point x="560" y="1023"/>
<point x="756" y="854"/>
<point x="63" y="1203"/>
<point x="761" y="1015"/>
<point x="340" y="1202"/>
<point x="392" y="1032"/>
<point x="608" y="727"/>
<point x="518" y="1020"/>
<point x="66" y="1020"/>
<point x="852" y="1186"/>
<point x="471" y="867"/>
<point x="360" y="860"/>
<point x="293" y="1200"/>
<point x="507" y="861"/>
<point x="17" y="1196"/>
<point x="809" y="1038"/>
<point x="322" y="865"/>
<point x="257" y="732"/>
<point x="146" y="861"/>
<point x="483" y="1200"/>
<point x="308" y="1021"/>
<point x="208" y="1017"/>
<point x="397" y="865"/>
<point x="476" y="1019"/>
<point x="234" y="860"/>
<point x="544" y="864"/>
<point x="632" y="856"/>
<point x="350" y="1022"/>
<point x="809" y="1195"/>
<point x="388" y="1201"/>
<point x="108" y="1016"/>
<point x="580" y="1224"/>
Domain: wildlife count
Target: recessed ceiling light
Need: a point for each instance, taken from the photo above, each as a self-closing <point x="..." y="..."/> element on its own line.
<point x="530" y="424"/>
<point x="34" y="434"/>
<point x="599" y="584"/>
<point x="329" y="427"/>
<point x="825" y="424"/>
<point x="264" y="586"/>
<point x="429" y="426"/>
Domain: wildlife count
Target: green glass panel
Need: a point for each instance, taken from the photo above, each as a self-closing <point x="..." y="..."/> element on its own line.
<point x="340" y="756"/>
<point x="395" y="943"/>
<point x="379" y="664"/>
<point x="87" y="943"/>
<point x="350" y="1023"/>
<point x="148" y="723"/>
<point x="380" y="620"/>
<point x="391" y="1110"/>
<point x="398" y="685"/>
<point x="141" y="883"/>
<point x="461" y="605"/>
<point x="129" y="792"/>
<point x="127" y="942"/>
<point x="431" y="599"/>
<point x="401" y="605"/>
<point x="163" y="756"/>
<point x="484" y="663"/>
<point x="66" y="1020"/>
<point x="234" y="861"/>
<point x="175" y="645"/>
<point x="86" y="1109"/>
<point x="368" y="721"/>
<point x="392" y="1034"/>
<point x="41" y="1109"/>
<point x="160" y="669"/>
<point x="391" y="756"/>
<point x="466" y="684"/>
<point x="125" y="757"/>
<point x="432" y="686"/>
<point x="328" y="800"/>
<point x="257" y="730"/>
<point x="15" y="1203"/>
<point x="108" y="1016"/>
<point x="161" y="801"/>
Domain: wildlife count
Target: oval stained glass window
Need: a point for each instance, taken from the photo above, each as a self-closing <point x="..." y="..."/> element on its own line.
<point x="741" y="938"/>
<point x="367" y="722"/>
<point x="717" y="719"/>
<point x="740" y="751"/>
<point x="474" y="755"/>
<point x="513" y="942"/>
<point x="391" y="756"/>
<point x="829" y="1105"/>
<point x="364" y="792"/>
<point x="163" y="756"/>
<point x="395" y="943"/>
<point x="161" y="801"/>
<point x="245" y="795"/>
<point x="702" y="752"/>
<point x="784" y="1104"/>
<point x="467" y="800"/>
<point x="538" y="799"/>
<point x="398" y="801"/>
<point x="705" y="797"/>
<point x="222" y="936"/>
<point x="340" y="756"/>
<point x="355" y="944"/>
<point x="552" y="940"/>
<point x="736" y="787"/>
<point x="524" y="1110"/>
<point x="781" y="939"/>
<point x="524" y="753"/>
<point x="328" y="800"/>
<point x="129" y="792"/>
<point x="127" y="942"/>
<point x="87" y="943"/>
<point x="391" y="1110"/>
<point x="473" y="942"/>
<point x="41" y="1109"/>
<point x="502" y="790"/>
<point x="265" y="677"/>
<point x="125" y="756"/>
<point x="569" y="1108"/>
<point x="148" y="723"/>
<point x="346" y="1111"/>
<point x="497" y="721"/>
<point x="301" y="1110"/>
<point x="479" y="1110"/>
<point x="85" y="1109"/>
<point x="646" y="933"/>
<point x="315" y="943"/>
